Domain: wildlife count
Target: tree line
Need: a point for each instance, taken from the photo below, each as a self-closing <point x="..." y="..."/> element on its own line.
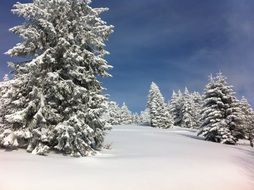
<point x="217" y="114"/>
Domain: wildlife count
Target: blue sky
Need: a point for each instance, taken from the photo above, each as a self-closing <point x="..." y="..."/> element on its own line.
<point x="175" y="43"/>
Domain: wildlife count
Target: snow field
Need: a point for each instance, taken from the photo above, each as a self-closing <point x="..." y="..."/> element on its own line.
<point x="141" y="158"/>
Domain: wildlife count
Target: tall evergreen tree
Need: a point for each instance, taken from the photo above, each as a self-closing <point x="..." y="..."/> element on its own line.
<point x="159" y="113"/>
<point x="220" y="115"/>
<point x="56" y="102"/>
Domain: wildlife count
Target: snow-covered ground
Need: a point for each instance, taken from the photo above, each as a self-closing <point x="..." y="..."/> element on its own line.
<point x="141" y="158"/>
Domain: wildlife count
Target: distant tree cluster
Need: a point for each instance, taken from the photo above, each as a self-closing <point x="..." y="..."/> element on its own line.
<point x="185" y="108"/>
<point x="217" y="114"/>
<point x="116" y="115"/>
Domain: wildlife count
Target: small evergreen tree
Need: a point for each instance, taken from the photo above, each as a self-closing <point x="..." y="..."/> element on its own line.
<point x="56" y="102"/>
<point x="145" y="117"/>
<point x="126" y="115"/>
<point x="247" y="120"/>
<point x="112" y="115"/>
<point x="158" y="111"/>
<point x="136" y="118"/>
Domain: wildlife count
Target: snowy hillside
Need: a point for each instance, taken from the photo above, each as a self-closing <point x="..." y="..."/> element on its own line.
<point x="141" y="158"/>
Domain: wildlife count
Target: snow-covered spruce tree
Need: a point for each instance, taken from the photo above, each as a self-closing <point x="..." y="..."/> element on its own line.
<point x="236" y="119"/>
<point x="57" y="101"/>
<point x="167" y="119"/>
<point x="175" y="107"/>
<point x="112" y="114"/>
<point x="5" y="90"/>
<point x="190" y="110"/>
<point x="198" y="102"/>
<point x="116" y="115"/>
<point x="187" y="110"/>
<point x="126" y="115"/>
<point x="248" y="120"/>
<point x="2" y="91"/>
<point x="220" y="121"/>
<point x="145" y="117"/>
<point x="158" y="111"/>
<point x="136" y="119"/>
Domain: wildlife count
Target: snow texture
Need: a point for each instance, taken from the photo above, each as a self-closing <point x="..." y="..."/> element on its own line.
<point x="141" y="158"/>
